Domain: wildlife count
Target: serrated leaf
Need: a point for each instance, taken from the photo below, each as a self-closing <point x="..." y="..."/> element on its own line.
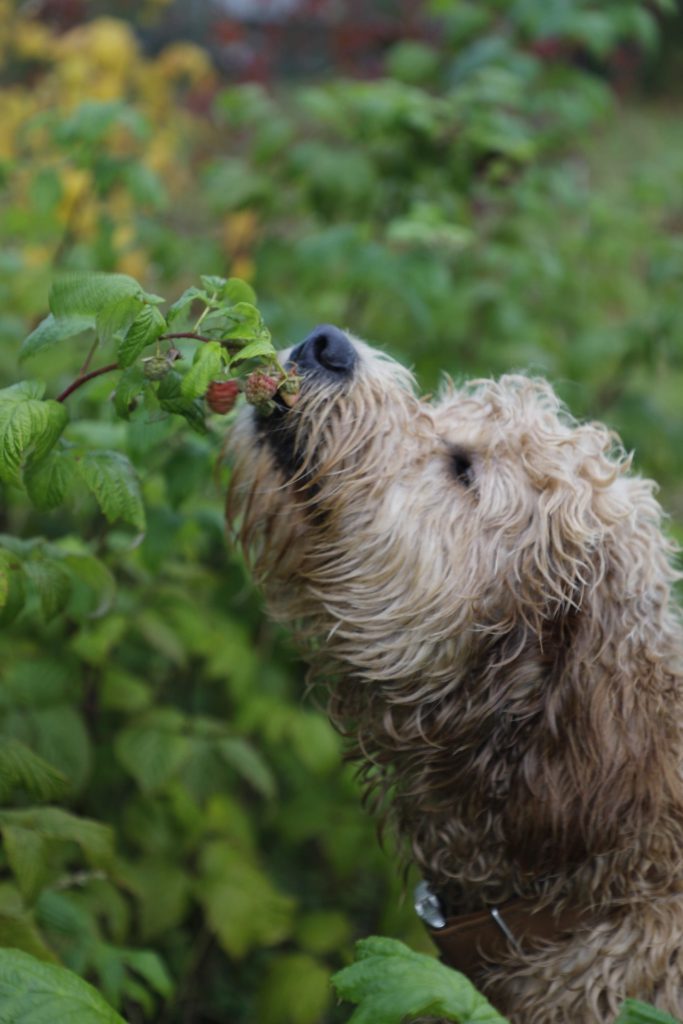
<point x="236" y="290"/>
<point x="54" y="728"/>
<point x="115" y="318"/>
<point x="17" y="927"/>
<point x="242" y="907"/>
<point x="391" y="983"/>
<point x="95" y="575"/>
<point x="27" y="426"/>
<point x="208" y="365"/>
<point x="51" y="582"/>
<point x="132" y="382"/>
<point x="27" y="857"/>
<point x="35" y="992"/>
<point x="242" y="756"/>
<point x="161" y="889"/>
<point x="48" y="480"/>
<point x="213" y="283"/>
<point x="87" y="294"/>
<point x="52" y="331"/>
<point x="151" y="968"/>
<point x="154" y="748"/>
<point x="21" y="767"/>
<point x="94" y="839"/>
<point x="173" y="401"/>
<point x="113" y="481"/>
<point x="122" y="691"/>
<point x="259" y="349"/>
<point x="148" y="325"/>
<point x="189" y="296"/>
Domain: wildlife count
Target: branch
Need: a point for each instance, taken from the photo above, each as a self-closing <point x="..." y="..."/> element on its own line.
<point x="84" y="378"/>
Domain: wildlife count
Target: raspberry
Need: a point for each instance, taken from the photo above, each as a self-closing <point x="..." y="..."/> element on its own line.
<point x="221" y="395"/>
<point x="156" y="367"/>
<point x="259" y="387"/>
<point x="291" y="384"/>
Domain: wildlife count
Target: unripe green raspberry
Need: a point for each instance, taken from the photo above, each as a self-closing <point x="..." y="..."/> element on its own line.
<point x="156" y="367"/>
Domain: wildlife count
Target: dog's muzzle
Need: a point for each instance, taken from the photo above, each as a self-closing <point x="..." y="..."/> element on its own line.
<point x="327" y="352"/>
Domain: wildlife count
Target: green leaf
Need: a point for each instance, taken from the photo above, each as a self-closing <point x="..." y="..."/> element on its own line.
<point x="148" y="325"/>
<point x="161" y="889"/>
<point x="26" y="854"/>
<point x="12" y="586"/>
<point x="21" y="767"/>
<point x="155" y="748"/>
<point x="323" y="931"/>
<point x="189" y="296"/>
<point x="27" y="426"/>
<point x="242" y="756"/>
<point x="48" y="480"/>
<point x="113" y="481"/>
<point x="132" y="382"/>
<point x="96" y="577"/>
<point x="241" y="905"/>
<point x="52" y="583"/>
<point x="213" y="283"/>
<point x="51" y="331"/>
<point x="94" y="839"/>
<point x="392" y="984"/>
<point x="172" y="400"/>
<point x="114" y="319"/>
<point x="208" y="364"/>
<point x="296" y="990"/>
<point x="35" y="992"/>
<point x="87" y="294"/>
<point x="151" y="969"/>
<point x="633" y="1012"/>
<point x="236" y="290"/>
<point x="17" y="927"/>
<point x="259" y="349"/>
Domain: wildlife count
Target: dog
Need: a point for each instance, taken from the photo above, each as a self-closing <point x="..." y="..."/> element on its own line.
<point x="483" y="587"/>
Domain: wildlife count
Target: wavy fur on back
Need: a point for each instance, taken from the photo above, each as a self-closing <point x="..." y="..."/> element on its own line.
<point x="484" y="590"/>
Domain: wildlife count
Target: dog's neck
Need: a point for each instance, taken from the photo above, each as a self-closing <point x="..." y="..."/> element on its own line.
<point x="467" y="774"/>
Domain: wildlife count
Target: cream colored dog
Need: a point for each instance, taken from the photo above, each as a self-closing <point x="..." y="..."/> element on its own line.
<point x="484" y="589"/>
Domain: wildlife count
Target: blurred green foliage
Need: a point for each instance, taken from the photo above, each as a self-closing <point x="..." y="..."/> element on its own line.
<point x="178" y="825"/>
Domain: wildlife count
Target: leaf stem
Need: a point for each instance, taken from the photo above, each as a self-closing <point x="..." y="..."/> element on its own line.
<point x="93" y="348"/>
<point x="84" y="378"/>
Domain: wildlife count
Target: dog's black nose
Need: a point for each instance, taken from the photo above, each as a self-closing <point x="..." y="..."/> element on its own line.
<point x="327" y="349"/>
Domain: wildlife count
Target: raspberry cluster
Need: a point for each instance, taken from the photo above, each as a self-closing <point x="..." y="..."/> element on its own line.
<point x="260" y="389"/>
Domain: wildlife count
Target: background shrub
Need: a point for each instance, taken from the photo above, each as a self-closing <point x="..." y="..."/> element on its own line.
<point x="178" y="825"/>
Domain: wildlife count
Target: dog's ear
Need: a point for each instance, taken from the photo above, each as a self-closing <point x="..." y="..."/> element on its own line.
<point x="602" y="760"/>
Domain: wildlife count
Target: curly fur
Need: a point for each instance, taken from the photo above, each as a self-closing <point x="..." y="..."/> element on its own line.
<point x="502" y="652"/>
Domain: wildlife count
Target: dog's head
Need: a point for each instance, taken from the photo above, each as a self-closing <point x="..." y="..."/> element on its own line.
<point x="411" y="528"/>
<point x="485" y="560"/>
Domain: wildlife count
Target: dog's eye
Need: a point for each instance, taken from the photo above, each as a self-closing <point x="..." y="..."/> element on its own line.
<point x="461" y="465"/>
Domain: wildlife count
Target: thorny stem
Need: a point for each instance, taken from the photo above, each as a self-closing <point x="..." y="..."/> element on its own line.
<point x="84" y="378"/>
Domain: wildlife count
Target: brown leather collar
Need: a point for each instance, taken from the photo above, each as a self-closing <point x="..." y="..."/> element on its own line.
<point x="468" y="942"/>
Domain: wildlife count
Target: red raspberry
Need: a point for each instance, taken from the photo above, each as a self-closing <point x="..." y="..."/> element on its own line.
<point x="259" y="387"/>
<point x="221" y="395"/>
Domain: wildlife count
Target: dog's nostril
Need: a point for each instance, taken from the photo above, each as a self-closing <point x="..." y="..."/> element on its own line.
<point x="327" y="348"/>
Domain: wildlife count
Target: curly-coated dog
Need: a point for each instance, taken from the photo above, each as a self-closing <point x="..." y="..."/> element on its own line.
<point x="484" y="588"/>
